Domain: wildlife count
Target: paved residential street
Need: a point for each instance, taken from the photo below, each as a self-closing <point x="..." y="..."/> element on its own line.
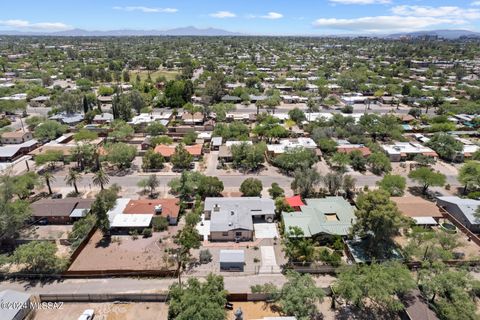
<point x="233" y="283"/>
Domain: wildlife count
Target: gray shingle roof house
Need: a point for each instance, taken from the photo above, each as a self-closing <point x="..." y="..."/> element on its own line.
<point x="330" y="216"/>
<point x="463" y="210"/>
<point x="231" y="219"/>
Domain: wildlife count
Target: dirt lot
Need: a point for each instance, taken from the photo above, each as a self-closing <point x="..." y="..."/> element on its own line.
<point x="108" y="311"/>
<point x="125" y="253"/>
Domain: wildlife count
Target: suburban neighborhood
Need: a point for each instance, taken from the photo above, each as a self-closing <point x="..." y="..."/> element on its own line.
<point x="239" y="177"/>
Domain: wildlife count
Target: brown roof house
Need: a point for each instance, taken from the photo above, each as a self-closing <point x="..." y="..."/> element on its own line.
<point x="422" y="211"/>
<point x="130" y="214"/>
<point x="60" y="211"/>
<point x="195" y="118"/>
<point x="168" y="150"/>
<point x="15" y="137"/>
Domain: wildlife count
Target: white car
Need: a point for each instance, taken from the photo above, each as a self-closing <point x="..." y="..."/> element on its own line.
<point x="87" y="315"/>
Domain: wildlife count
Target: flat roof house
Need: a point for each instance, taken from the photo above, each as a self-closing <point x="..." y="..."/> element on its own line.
<point x="323" y="216"/>
<point x="60" y="211"/>
<point x="463" y="210"/>
<point x="401" y="151"/>
<point x="231" y="219"/>
<point x="289" y="144"/>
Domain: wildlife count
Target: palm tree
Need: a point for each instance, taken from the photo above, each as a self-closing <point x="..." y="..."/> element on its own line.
<point x="48" y="177"/>
<point x="72" y="178"/>
<point x="100" y="178"/>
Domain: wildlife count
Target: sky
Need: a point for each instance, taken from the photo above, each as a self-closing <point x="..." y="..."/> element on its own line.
<point x="261" y="17"/>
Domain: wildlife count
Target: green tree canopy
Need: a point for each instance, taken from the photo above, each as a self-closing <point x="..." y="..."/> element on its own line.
<point x="298" y="297"/>
<point x="296" y="158"/>
<point x="378" y="221"/>
<point x="393" y="184"/>
<point x="121" y="154"/>
<point x="198" y="300"/>
<point x="181" y="158"/>
<point x="375" y="284"/>
<point x="427" y="178"/>
<point x="38" y="257"/>
<point x="251" y="187"/>
<point x="49" y="130"/>
<point x="247" y="156"/>
<point x="469" y="175"/>
<point x="445" y="145"/>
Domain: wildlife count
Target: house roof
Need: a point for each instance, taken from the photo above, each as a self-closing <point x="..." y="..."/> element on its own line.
<point x="170" y="207"/>
<point x="466" y="206"/>
<point x="417" y="308"/>
<point x="187" y="116"/>
<point x="417" y="207"/>
<point x="11" y="150"/>
<point x="350" y="148"/>
<point x="131" y="221"/>
<point x="217" y="141"/>
<point x="330" y="215"/>
<point x="236" y="212"/>
<point x="59" y="207"/>
<point x="167" y="151"/>
<point x="14" y="134"/>
<point x="295" y="201"/>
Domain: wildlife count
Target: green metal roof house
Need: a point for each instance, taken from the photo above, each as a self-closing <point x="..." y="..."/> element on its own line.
<point x="330" y="216"/>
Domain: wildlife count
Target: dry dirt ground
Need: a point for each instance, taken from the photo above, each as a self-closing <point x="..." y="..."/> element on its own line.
<point x="107" y="311"/>
<point x="125" y="253"/>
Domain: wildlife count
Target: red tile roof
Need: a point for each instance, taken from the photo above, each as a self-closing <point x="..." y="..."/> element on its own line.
<point x="167" y="151"/>
<point x="364" y="150"/>
<point x="295" y="201"/>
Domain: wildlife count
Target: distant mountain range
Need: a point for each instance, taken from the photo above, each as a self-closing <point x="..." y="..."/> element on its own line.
<point x="446" y="34"/>
<point x="193" y="31"/>
<point x="186" y="31"/>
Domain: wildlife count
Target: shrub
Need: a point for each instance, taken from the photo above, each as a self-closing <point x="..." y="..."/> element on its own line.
<point x="334" y="259"/>
<point x="160" y="223"/>
<point x="147" y="233"/>
<point x="205" y="256"/>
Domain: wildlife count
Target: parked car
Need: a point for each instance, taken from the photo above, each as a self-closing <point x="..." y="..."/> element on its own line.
<point x="87" y="315"/>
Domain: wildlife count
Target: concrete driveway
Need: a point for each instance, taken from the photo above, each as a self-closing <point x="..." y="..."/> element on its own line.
<point x="269" y="262"/>
<point x="264" y="230"/>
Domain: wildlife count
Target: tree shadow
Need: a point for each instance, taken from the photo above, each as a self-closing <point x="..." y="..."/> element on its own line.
<point x="104" y="242"/>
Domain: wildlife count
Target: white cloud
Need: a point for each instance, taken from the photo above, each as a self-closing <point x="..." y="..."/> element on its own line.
<point x="272" y="16"/>
<point x="147" y="9"/>
<point x="384" y="23"/>
<point x="44" y="26"/>
<point x="444" y="12"/>
<point x="475" y="3"/>
<point x="361" y="1"/>
<point x="223" y="14"/>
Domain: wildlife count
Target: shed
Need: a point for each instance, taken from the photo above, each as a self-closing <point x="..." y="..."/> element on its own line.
<point x="216" y="143"/>
<point x="232" y="260"/>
